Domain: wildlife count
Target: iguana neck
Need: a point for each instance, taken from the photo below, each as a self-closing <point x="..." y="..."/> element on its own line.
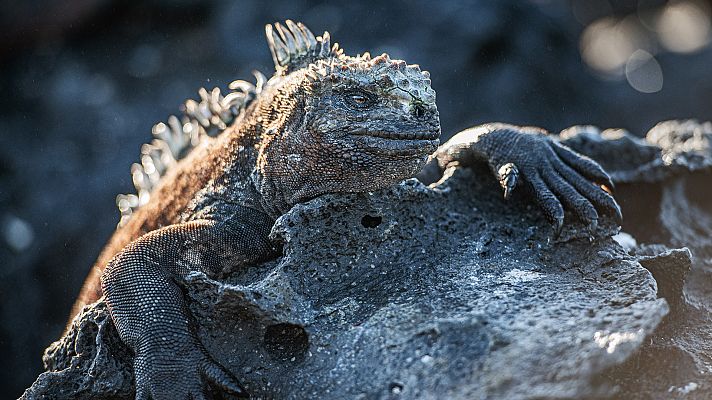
<point x="275" y="126"/>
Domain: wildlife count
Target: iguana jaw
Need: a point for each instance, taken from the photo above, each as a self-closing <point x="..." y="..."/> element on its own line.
<point x="399" y="147"/>
<point x="422" y="136"/>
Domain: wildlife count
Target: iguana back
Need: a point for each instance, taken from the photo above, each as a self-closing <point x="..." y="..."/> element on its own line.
<point x="174" y="167"/>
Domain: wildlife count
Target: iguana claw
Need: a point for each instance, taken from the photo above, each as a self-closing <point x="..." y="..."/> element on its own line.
<point x="507" y="176"/>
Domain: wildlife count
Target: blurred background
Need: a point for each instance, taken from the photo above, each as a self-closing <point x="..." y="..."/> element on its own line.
<point x="81" y="83"/>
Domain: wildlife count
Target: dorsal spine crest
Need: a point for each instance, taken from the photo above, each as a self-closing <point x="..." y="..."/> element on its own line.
<point x="295" y="46"/>
<point x="173" y="140"/>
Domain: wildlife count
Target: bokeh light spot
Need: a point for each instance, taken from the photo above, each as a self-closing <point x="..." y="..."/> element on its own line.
<point x="684" y="26"/>
<point x="643" y="72"/>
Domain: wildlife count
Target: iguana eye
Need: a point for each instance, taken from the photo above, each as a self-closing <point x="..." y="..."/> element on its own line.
<point x="358" y="99"/>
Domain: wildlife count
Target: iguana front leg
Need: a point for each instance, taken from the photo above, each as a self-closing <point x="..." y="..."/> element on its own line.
<point x="558" y="176"/>
<point x="149" y="311"/>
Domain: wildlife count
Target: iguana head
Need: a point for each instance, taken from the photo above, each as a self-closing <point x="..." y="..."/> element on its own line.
<point x="341" y="123"/>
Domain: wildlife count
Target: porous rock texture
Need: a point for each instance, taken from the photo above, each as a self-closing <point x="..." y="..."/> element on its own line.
<point x="665" y="189"/>
<point x="410" y="292"/>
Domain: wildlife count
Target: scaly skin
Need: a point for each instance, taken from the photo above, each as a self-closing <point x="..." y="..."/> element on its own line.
<point x="324" y="123"/>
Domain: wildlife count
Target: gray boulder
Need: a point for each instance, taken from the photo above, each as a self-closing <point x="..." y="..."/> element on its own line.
<point x="451" y="292"/>
<point x="410" y="292"/>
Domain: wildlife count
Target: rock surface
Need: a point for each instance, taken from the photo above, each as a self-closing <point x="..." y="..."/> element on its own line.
<point x="411" y="293"/>
<point x="665" y="189"/>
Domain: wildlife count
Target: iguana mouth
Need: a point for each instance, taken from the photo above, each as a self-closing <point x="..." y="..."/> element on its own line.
<point x="421" y="135"/>
<point x="401" y="145"/>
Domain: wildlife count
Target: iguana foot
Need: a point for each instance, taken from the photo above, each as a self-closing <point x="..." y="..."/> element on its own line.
<point x="561" y="178"/>
<point x="558" y="176"/>
<point x="169" y="372"/>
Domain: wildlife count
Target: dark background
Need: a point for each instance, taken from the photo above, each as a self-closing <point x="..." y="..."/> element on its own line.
<point x="82" y="82"/>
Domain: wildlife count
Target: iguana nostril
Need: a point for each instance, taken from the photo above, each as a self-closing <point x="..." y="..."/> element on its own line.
<point x="419" y="111"/>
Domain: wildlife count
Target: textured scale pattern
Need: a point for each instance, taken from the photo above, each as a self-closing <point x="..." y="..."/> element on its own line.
<point x="212" y="183"/>
<point x="149" y="310"/>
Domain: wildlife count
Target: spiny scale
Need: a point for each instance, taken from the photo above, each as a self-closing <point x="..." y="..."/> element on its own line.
<point x="175" y="139"/>
<point x="295" y="45"/>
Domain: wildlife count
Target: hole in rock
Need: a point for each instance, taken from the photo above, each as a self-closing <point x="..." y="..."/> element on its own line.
<point x="371" y="221"/>
<point x="286" y="342"/>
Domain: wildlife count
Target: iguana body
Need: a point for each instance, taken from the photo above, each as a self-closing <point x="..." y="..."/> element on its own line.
<point x="324" y="123"/>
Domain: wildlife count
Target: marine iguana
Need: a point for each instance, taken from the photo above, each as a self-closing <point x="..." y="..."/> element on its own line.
<point x="210" y="186"/>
